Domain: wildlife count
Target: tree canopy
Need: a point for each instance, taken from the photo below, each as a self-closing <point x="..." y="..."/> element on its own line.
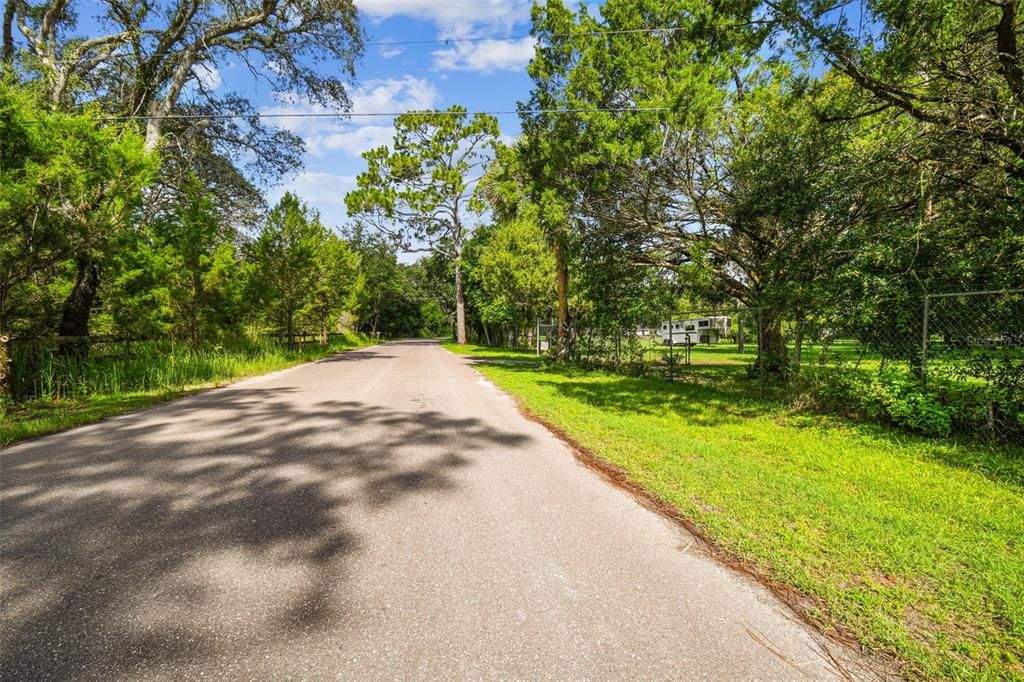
<point x="420" y="192"/>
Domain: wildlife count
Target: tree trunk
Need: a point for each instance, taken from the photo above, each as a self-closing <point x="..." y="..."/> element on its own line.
<point x="3" y="309"/>
<point x="799" y="341"/>
<point x="739" y="333"/>
<point x="771" y="348"/>
<point x="564" y="348"/>
<point x="78" y="307"/>
<point x="460" y="306"/>
<point x="8" y="33"/>
<point x="289" y="329"/>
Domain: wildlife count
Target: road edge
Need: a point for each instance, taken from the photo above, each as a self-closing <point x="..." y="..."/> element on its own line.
<point x="879" y="665"/>
<point x="163" y="400"/>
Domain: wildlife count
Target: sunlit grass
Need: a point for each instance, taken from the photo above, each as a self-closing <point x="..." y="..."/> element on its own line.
<point x="490" y="353"/>
<point x="912" y="544"/>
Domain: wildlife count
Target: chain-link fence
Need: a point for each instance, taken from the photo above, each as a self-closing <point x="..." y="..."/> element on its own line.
<point x="972" y="353"/>
<point x="674" y="343"/>
<point x="936" y="363"/>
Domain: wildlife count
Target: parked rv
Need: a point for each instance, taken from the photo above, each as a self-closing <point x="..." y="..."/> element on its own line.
<point x="693" y="331"/>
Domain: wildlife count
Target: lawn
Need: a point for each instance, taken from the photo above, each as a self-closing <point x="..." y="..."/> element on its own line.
<point x="108" y="386"/>
<point x="912" y="545"/>
<point x="728" y="353"/>
<point x="489" y="353"/>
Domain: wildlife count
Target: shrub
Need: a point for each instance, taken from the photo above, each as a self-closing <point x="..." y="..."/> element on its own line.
<point x="891" y="396"/>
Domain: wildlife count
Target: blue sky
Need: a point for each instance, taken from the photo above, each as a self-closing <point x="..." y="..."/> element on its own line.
<point x="486" y="75"/>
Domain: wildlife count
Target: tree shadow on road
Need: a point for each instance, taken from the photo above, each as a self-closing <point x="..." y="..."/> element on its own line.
<point x="203" y="530"/>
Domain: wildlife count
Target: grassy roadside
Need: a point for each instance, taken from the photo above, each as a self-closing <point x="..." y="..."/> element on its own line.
<point x="913" y="545"/>
<point x="488" y="353"/>
<point x="37" y="418"/>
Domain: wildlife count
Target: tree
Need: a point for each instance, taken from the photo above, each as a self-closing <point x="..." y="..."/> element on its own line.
<point x="379" y="277"/>
<point x="285" y="261"/>
<point x="587" y="74"/>
<point x="956" y="68"/>
<point x="517" y="272"/>
<point x="67" y="186"/>
<point x="337" y="267"/>
<point x="151" y="55"/>
<point x="689" y="154"/>
<point x="512" y="188"/>
<point x="546" y="161"/>
<point x="153" y="50"/>
<point x="203" y="266"/>
<point x="420" y="193"/>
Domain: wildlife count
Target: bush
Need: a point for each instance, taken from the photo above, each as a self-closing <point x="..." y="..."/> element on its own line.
<point x="999" y="399"/>
<point x="891" y="396"/>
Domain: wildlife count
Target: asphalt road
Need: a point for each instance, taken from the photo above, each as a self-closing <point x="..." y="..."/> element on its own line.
<point x="383" y="514"/>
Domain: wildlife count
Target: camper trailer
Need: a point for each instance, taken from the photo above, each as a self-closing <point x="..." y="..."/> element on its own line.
<point x="693" y="331"/>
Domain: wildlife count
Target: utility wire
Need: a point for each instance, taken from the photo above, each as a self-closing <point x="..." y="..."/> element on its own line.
<point x="523" y="36"/>
<point x="512" y="37"/>
<point x="385" y="114"/>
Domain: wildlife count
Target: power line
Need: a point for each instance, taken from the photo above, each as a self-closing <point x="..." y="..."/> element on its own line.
<point x="510" y="37"/>
<point x="386" y="114"/>
<point x="523" y="36"/>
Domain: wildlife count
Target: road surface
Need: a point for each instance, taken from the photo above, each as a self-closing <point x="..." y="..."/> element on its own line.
<point x="382" y="514"/>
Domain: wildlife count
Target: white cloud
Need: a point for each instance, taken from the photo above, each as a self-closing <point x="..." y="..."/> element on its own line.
<point x="486" y="56"/>
<point x="394" y="94"/>
<point x="387" y="51"/>
<point x="356" y="135"/>
<point x="455" y="17"/>
<point x="323" y="191"/>
<point x="208" y="76"/>
<point x="358" y="140"/>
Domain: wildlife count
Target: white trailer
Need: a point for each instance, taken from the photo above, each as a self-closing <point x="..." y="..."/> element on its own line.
<point x="695" y="330"/>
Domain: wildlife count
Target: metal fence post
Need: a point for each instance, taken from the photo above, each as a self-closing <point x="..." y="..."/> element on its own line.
<point x="671" y="347"/>
<point x="760" y="351"/>
<point x="5" y="366"/>
<point x="739" y="330"/>
<point x="924" y="343"/>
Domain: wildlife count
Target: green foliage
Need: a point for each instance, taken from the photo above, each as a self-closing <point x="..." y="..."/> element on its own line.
<point x="420" y="191"/>
<point x="123" y="367"/>
<point x="516" y="272"/>
<point x="285" y="262"/>
<point x="67" y="186"/>
<point x="999" y="406"/>
<point x="989" y="407"/>
<point x="179" y="275"/>
<point x="337" y="269"/>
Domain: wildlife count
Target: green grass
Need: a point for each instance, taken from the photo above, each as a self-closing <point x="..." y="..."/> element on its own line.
<point x="916" y="546"/>
<point x="489" y="353"/>
<point x="848" y="351"/>
<point x="83" y="392"/>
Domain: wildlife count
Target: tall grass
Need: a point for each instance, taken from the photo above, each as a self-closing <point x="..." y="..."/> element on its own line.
<point x="42" y="374"/>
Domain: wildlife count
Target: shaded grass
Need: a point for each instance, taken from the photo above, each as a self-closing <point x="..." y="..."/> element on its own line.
<point x="169" y="376"/>
<point x="916" y="546"/>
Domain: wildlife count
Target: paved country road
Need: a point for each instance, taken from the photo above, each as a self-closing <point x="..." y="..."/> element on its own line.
<point x="382" y="514"/>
